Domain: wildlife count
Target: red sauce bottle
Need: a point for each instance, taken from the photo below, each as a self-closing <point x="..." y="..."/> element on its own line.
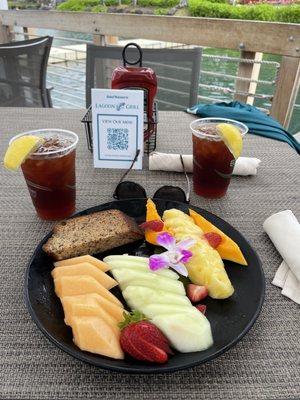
<point x="136" y="78"/>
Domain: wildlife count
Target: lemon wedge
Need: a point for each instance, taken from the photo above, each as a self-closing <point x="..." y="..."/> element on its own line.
<point x="232" y="137"/>
<point x="20" y="149"/>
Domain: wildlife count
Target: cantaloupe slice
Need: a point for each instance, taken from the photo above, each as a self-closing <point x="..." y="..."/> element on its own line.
<point x="227" y="249"/>
<point x="114" y="310"/>
<point x="78" y="260"/>
<point x="93" y="334"/>
<point x="85" y="269"/>
<point x="90" y="308"/>
<point x="81" y="284"/>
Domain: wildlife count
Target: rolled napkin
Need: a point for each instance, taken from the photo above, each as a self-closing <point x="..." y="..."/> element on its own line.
<point x="287" y="281"/>
<point x="283" y="229"/>
<point x="245" y="166"/>
<point x="171" y="162"/>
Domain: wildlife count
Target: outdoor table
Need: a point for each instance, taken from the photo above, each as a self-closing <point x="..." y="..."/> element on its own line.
<point x="264" y="365"/>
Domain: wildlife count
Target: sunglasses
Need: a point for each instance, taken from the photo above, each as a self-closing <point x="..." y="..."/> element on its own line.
<point x="132" y="190"/>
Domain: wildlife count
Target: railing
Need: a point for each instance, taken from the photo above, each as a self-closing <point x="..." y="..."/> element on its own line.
<point x="72" y="59"/>
<point x="251" y="38"/>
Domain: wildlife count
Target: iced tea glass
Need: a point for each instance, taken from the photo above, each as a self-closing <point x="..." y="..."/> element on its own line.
<point x="50" y="173"/>
<point x="212" y="160"/>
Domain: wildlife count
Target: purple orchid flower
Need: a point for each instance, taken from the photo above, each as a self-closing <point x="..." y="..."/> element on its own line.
<point x="175" y="257"/>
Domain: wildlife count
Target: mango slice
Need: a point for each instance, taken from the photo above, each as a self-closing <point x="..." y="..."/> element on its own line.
<point x="228" y="249"/>
<point x="151" y="215"/>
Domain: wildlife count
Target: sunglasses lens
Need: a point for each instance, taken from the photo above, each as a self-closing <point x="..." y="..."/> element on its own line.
<point x="129" y="190"/>
<point x="171" y="193"/>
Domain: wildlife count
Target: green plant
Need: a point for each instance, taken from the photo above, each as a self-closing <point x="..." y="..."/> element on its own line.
<point x="197" y="8"/>
<point x="218" y="1"/>
<point x="260" y="12"/>
<point x="205" y="8"/>
<point x="288" y="13"/>
<point x="23" y="5"/>
<point x="77" y="5"/>
<point x="158" y="3"/>
<point x="91" y="5"/>
<point x="99" y="9"/>
<point x="116" y="2"/>
<point x="161" y="11"/>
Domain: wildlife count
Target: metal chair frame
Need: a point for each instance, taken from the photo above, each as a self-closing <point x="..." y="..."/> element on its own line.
<point x="25" y="47"/>
<point x="95" y="52"/>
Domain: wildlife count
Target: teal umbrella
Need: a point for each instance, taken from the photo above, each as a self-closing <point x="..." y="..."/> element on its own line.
<point x="257" y="121"/>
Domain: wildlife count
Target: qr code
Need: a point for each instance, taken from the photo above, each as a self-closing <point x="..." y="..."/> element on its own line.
<point x="117" y="139"/>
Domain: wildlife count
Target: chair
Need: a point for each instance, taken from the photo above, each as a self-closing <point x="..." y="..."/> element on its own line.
<point x="23" y="67"/>
<point x="177" y="71"/>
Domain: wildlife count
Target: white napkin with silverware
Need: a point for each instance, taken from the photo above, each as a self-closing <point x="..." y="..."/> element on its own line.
<point x="171" y="162"/>
<point x="283" y="229"/>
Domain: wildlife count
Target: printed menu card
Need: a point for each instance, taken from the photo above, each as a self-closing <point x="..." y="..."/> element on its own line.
<point x="117" y="127"/>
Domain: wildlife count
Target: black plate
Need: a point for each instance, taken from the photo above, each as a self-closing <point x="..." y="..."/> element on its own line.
<point x="230" y="319"/>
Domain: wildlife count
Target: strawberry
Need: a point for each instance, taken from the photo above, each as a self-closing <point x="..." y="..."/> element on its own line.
<point x="201" y="308"/>
<point x="213" y="238"/>
<point x="196" y="293"/>
<point x="143" y="340"/>
<point x="155" y="225"/>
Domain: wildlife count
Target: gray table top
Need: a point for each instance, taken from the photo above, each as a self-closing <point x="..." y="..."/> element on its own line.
<point x="264" y="365"/>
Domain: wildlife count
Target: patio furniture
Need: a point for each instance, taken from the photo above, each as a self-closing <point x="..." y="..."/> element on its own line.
<point x="264" y="365"/>
<point x="177" y="70"/>
<point x="23" y="67"/>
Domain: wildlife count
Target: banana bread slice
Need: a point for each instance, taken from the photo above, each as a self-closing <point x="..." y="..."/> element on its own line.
<point x="91" y="234"/>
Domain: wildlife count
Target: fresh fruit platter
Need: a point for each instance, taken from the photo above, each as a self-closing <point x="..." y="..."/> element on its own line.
<point x="139" y="286"/>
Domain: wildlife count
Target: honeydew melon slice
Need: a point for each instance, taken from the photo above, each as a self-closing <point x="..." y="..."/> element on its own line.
<point x="117" y="257"/>
<point x="167" y="273"/>
<point x="139" y="263"/>
<point x="138" y="297"/>
<point x="185" y="332"/>
<point x="176" y="288"/>
<point x="153" y="310"/>
<point x="136" y="278"/>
